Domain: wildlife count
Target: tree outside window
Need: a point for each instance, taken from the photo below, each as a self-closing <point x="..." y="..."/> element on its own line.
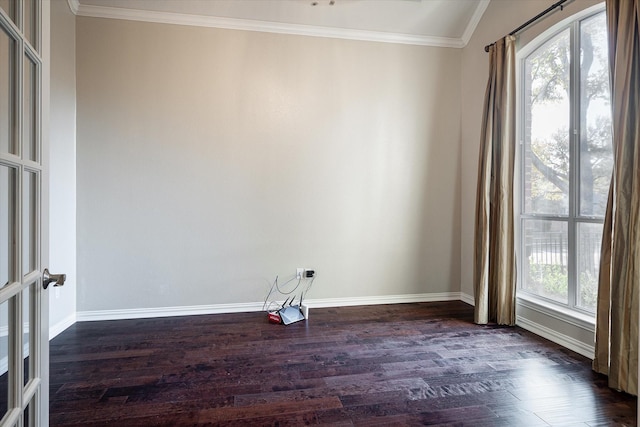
<point x="566" y="163"/>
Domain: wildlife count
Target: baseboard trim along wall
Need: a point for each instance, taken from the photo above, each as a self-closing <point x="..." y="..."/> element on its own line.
<point x="558" y="338"/>
<point x="573" y="344"/>
<point x="467" y="298"/>
<point x="55" y="330"/>
<point x="139" y="313"/>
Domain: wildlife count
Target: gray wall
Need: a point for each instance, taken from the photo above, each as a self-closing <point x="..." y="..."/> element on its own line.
<point x="210" y="161"/>
<point x="62" y="218"/>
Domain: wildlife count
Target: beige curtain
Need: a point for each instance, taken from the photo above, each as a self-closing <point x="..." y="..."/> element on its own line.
<point x="617" y="312"/>
<point x="494" y="272"/>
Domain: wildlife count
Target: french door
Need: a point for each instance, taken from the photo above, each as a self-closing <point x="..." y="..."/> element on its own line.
<point x="24" y="351"/>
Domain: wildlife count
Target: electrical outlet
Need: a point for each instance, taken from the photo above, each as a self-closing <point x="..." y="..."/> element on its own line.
<point x="299" y="273"/>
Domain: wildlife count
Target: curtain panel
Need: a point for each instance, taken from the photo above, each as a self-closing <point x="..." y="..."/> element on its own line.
<point x="494" y="272"/>
<point x="616" y="352"/>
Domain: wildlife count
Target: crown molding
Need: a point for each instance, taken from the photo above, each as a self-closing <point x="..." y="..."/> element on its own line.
<point x="80" y="9"/>
<point x="74" y="5"/>
<point x="473" y="22"/>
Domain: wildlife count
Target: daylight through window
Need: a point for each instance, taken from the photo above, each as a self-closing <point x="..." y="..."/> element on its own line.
<point x="566" y="164"/>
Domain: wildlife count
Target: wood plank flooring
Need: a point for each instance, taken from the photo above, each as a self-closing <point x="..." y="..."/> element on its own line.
<point x="386" y="365"/>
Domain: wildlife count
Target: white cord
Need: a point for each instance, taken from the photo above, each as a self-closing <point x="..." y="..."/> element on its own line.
<point x="266" y="306"/>
<point x="285" y="283"/>
<point x="269" y="294"/>
<point x="304" y="293"/>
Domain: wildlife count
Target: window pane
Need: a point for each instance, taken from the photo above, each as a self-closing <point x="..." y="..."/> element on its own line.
<point x="589" y="242"/>
<point x="596" y="157"/>
<point x="547" y="115"/>
<point x="7" y="94"/>
<point x="545" y="259"/>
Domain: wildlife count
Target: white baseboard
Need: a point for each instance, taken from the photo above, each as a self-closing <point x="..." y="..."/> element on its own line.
<point x="383" y="299"/>
<point x="138" y="313"/>
<point x="564" y="340"/>
<point x="558" y="338"/>
<point x="469" y="299"/>
<point x="55" y="330"/>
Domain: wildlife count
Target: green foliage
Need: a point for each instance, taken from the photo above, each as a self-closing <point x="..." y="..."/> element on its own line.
<point x="548" y="68"/>
<point x="550" y="174"/>
<point x="588" y="290"/>
<point x="549" y="280"/>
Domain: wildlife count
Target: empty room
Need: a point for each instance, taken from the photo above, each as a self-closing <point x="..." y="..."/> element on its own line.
<point x="331" y="212"/>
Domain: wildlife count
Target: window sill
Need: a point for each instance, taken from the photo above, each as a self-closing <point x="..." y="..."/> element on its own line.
<point x="575" y="318"/>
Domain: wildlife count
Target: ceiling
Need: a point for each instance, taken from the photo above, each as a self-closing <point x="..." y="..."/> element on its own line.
<point x="447" y="23"/>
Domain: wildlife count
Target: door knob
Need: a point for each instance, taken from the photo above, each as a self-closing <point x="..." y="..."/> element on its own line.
<point x="56" y="279"/>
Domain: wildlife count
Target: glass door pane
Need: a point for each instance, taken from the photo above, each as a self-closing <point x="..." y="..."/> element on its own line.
<point x="26" y="332"/>
<point x="4" y="358"/>
<point x="26" y="412"/>
<point x="7" y="93"/>
<point x="7" y="225"/>
<point x="29" y="218"/>
<point x="9" y="7"/>
<point x="29" y="10"/>
<point x="29" y="118"/>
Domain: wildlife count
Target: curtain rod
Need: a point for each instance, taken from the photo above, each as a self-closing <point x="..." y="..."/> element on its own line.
<point x="532" y="20"/>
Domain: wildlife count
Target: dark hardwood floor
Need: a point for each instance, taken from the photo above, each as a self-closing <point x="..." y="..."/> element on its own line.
<point x="405" y="364"/>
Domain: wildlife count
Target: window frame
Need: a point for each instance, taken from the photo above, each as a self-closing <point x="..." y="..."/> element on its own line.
<point x="570" y="312"/>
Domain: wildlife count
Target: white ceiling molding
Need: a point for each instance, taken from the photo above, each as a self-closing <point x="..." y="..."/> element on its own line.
<point x="93" y="11"/>
<point x="74" y="5"/>
<point x="473" y="22"/>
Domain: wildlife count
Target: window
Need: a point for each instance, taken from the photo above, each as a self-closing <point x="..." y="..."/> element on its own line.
<point x="565" y="163"/>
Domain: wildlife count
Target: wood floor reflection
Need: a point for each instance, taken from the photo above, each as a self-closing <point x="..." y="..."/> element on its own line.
<point x="404" y="364"/>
